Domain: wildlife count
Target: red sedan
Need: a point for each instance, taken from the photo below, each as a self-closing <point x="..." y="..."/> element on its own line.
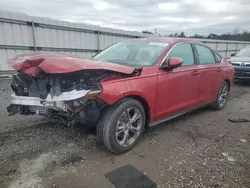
<point x="126" y="88"/>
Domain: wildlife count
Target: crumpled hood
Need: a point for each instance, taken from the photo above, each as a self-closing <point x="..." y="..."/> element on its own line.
<point x="55" y="63"/>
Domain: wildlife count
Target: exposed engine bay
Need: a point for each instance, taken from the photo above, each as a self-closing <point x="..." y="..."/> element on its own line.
<point x="69" y="97"/>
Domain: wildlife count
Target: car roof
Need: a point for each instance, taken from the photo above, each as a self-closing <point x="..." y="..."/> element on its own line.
<point x="168" y="40"/>
<point x="173" y="41"/>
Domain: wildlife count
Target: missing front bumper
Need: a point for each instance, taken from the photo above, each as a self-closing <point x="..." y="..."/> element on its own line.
<point x="56" y="102"/>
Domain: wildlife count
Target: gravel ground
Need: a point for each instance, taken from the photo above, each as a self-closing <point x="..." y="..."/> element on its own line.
<point x="5" y="92"/>
<point x="202" y="149"/>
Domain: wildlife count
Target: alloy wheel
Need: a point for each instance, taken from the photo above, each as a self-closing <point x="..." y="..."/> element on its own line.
<point x="223" y="95"/>
<point x="128" y="127"/>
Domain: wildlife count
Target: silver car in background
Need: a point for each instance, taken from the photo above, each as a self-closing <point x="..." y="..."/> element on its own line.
<point x="241" y="63"/>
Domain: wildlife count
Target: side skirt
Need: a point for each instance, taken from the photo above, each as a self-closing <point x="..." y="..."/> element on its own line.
<point x="154" y="123"/>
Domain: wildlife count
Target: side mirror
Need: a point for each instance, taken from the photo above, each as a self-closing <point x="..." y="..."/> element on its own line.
<point x="171" y="63"/>
<point x="233" y="54"/>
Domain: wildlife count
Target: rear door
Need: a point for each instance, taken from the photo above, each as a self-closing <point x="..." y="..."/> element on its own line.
<point x="210" y="73"/>
<point x="178" y="88"/>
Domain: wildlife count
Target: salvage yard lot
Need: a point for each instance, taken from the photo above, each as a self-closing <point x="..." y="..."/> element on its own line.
<point x="201" y="149"/>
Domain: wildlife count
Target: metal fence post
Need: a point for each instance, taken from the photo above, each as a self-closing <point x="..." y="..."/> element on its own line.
<point x="34" y="34"/>
<point x="226" y="49"/>
<point x="98" y="40"/>
<point x="236" y="49"/>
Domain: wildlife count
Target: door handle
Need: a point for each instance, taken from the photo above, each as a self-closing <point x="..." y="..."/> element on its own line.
<point x="218" y="69"/>
<point x="195" y="73"/>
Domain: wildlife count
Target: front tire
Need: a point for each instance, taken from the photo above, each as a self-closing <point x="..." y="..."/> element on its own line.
<point x="222" y="97"/>
<point x="121" y="126"/>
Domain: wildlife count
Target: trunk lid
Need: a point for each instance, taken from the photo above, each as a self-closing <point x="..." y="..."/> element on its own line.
<point x="55" y="63"/>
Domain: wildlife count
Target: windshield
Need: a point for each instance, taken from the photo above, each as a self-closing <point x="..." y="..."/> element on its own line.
<point x="133" y="53"/>
<point x="245" y="52"/>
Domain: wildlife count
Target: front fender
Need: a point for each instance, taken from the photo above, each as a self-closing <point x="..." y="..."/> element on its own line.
<point x="144" y="87"/>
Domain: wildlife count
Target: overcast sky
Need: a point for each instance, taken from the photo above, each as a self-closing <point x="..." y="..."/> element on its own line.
<point x="168" y="16"/>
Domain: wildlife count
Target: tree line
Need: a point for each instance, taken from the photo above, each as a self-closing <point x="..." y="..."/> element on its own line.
<point x="234" y="35"/>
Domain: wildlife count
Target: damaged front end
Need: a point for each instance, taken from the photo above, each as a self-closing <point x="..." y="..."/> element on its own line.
<point x="70" y="97"/>
<point x="60" y="86"/>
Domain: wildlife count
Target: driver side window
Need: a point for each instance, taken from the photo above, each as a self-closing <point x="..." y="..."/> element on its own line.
<point x="183" y="51"/>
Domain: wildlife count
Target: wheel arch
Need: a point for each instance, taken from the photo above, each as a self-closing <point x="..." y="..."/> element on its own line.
<point x="143" y="102"/>
<point x="142" y="90"/>
<point x="145" y="105"/>
<point x="228" y="82"/>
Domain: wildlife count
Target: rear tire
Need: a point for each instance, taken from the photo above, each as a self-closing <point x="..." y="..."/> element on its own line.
<point x="121" y="126"/>
<point x="222" y="97"/>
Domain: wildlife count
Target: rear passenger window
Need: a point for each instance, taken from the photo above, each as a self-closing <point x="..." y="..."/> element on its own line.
<point x="183" y="51"/>
<point x="206" y="56"/>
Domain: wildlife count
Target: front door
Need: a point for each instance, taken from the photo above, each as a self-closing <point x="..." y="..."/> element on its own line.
<point x="178" y="88"/>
